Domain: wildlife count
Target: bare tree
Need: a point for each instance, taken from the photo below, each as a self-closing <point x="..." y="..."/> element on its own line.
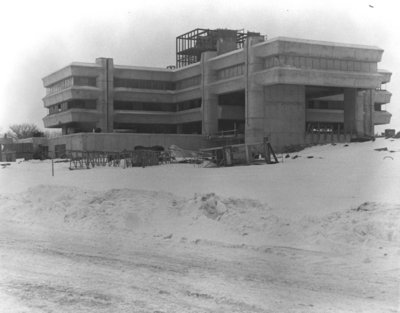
<point x="25" y="130"/>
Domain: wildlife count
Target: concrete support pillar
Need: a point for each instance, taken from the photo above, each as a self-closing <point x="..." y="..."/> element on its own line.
<point x="209" y="99"/>
<point x="105" y="102"/>
<point x="277" y="112"/>
<point x="285" y="115"/>
<point x="254" y="94"/>
<point x="353" y="112"/>
<point x="368" y="99"/>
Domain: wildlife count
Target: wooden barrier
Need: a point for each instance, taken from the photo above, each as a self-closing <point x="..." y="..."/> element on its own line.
<point x="89" y="159"/>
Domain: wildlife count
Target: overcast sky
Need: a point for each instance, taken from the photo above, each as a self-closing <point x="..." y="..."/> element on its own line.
<point x="39" y="37"/>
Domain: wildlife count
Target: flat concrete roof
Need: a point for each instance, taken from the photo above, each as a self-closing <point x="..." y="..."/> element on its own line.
<point x="319" y="42"/>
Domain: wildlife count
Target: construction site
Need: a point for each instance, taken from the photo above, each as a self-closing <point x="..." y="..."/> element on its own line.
<point x="228" y="87"/>
<point x="244" y="173"/>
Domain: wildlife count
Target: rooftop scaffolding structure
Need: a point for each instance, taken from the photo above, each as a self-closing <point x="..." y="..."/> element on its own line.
<point x="191" y="45"/>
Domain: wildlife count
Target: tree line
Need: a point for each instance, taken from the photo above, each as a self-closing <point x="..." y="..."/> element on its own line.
<point x="27" y="130"/>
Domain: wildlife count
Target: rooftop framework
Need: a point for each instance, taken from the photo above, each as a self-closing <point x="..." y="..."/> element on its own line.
<point x="191" y="45"/>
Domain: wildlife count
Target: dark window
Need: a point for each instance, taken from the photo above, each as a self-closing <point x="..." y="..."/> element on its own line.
<point x="144" y="106"/>
<point x="188" y="82"/>
<point x="189" y="104"/>
<point x="377" y="107"/>
<point x="143" y="84"/>
<point x="84" y="81"/>
<point x="88" y="104"/>
<point x="60" y="85"/>
<point x="82" y="104"/>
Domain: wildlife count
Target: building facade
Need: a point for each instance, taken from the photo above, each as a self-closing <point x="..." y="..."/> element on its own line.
<point x="285" y="89"/>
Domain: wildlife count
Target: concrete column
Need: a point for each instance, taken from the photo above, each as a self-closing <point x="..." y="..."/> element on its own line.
<point x="353" y="112"/>
<point x="105" y="102"/>
<point x="209" y="100"/>
<point x="285" y="115"/>
<point x="368" y="98"/>
<point x="254" y="94"/>
<point x="110" y="95"/>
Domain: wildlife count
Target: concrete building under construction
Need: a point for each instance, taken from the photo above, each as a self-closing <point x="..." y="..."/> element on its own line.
<point x="225" y="82"/>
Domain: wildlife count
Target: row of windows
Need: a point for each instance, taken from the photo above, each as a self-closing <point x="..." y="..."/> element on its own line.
<point x="188" y="82"/>
<point x="157" y="84"/>
<point x="185" y="128"/>
<point x="319" y="63"/>
<point x="144" y="106"/>
<point x="71" y="81"/>
<point x="143" y="84"/>
<point x="160" y="107"/>
<point x="73" y="104"/>
<point x="61" y="85"/>
<point x="125" y="83"/>
<point x="189" y="104"/>
<point x="84" y="81"/>
<point x="325" y="105"/>
<point x="231" y="71"/>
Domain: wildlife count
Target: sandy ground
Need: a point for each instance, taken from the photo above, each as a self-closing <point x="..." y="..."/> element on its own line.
<point x="316" y="234"/>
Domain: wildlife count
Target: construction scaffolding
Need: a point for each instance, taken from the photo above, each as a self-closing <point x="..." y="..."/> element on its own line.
<point x="89" y="159"/>
<point x="237" y="154"/>
<point x="191" y="45"/>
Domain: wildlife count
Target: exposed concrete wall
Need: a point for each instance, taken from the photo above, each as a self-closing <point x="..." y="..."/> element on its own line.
<point x="209" y="99"/>
<point x="110" y="95"/>
<point x="367" y="97"/>
<point x="105" y="99"/>
<point x="227" y="85"/>
<point x="187" y="72"/>
<point x="254" y="95"/>
<point x="285" y="114"/>
<point x="313" y="48"/>
<point x="353" y="112"/>
<point x="228" y="59"/>
<point x="386" y="75"/>
<point x="133" y="72"/>
<point x="381" y="117"/>
<point x="73" y="115"/>
<point x="382" y="96"/>
<point x="74" y="92"/>
<point x="74" y="69"/>
<point x="118" y="142"/>
<point x="282" y="75"/>
<point x="71" y="142"/>
<point x="358" y="111"/>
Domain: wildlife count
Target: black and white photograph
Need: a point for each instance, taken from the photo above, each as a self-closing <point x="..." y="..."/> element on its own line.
<point x="200" y="156"/>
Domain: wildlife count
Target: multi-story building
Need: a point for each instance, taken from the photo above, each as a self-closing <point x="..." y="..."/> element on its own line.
<point x="283" y="88"/>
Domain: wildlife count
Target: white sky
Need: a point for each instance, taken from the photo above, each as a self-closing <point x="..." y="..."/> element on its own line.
<point x="39" y="37"/>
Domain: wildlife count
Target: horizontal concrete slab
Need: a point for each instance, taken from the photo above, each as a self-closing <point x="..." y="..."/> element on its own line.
<point x="70" y="116"/>
<point x="75" y="92"/>
<point x="283" y="75"/>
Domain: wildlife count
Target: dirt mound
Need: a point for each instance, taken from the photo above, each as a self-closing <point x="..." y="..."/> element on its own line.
<point x="369" y="224"/>
<point x="205" y="216"/>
